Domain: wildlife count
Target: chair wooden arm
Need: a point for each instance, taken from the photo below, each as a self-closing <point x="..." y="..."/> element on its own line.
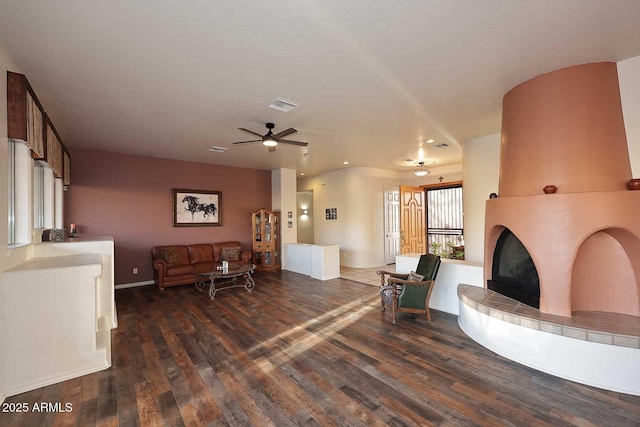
<point x="383" y="273"/>
<point x="410" y="282"/>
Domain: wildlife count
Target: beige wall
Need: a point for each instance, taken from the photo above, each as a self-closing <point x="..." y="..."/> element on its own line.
<point x="304" y="200"/>
<point x="481" y="165"/>
<point x="8" y="258"/>
<point x="358" y="194"/>
<point x="629" y="77"/>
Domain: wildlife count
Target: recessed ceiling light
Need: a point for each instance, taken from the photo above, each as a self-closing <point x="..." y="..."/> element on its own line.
<point x="301" y="173"/>
<point x="306" y="155"/>
<point x="346" y="163"/>
<point x="429" y="141"/>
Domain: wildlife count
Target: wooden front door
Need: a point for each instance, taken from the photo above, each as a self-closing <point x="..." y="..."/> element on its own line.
<point x="412" y="226"/>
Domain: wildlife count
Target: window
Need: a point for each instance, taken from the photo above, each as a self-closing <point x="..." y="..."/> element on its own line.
<point x="11" y="170"/>
<point x="20" y="199"/>
<point x="38" y="195"/>
<point x="445" y="222"/>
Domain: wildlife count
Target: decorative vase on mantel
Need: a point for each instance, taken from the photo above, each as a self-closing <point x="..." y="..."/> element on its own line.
<point x="549" y="189"/>
<point x="633" y="184"/>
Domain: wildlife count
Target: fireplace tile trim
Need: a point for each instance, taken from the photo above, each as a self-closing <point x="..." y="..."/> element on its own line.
<point x="615" y="330"/>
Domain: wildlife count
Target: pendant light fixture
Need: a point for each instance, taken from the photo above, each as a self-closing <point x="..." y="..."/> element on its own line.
<point x="422" y="171"/>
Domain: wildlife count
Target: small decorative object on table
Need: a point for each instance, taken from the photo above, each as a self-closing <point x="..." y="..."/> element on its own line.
<point x="73" y="230"/>
<point x="550" y="189"/>
<point x="57" y="235"/>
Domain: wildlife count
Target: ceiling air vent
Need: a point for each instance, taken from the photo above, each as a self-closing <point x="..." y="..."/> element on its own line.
<point x="282" y="104"/>
<point x="216" y="149"/>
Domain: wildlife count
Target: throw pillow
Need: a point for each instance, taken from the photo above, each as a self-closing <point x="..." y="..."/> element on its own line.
<point x="415" y="277"/>
<point x="169" y="255"/>
<point x="231" y="253"/>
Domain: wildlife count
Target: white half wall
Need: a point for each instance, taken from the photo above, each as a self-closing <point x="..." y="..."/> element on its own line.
<point x="629" y="80"/>
<point x="481" y="169"/>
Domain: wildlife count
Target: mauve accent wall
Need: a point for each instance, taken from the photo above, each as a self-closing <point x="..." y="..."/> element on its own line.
<point x="129" y="198"/>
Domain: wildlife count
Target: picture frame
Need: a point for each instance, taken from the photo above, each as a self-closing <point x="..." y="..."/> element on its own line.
<point x="196" y="208"/>
<point x="331" y="214"/>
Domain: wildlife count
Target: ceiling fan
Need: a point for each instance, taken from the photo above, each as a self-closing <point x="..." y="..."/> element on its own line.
<point x="271" y="140"/>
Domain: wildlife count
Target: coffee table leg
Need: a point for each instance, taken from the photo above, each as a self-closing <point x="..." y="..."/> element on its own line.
<point x="212" y="289"/>
<point x="200" y="284"/>
<point x="249" y="284"/>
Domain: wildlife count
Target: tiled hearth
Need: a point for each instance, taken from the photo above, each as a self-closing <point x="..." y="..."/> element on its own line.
<point x="604" y="328"/>
<point x="594" y="348"/>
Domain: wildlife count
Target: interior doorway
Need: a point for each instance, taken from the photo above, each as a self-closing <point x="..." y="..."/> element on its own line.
<point x="304" y="214"/>
<point x="391" y="224"/>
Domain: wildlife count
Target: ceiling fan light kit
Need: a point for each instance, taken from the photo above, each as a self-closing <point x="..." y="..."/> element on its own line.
<point x="271" y="140"/>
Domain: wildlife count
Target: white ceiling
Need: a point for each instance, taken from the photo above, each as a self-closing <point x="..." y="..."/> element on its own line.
<point x="374" y="78"/>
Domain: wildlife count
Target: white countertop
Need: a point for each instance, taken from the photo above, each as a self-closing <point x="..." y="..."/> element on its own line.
<point x="41" y="263"/>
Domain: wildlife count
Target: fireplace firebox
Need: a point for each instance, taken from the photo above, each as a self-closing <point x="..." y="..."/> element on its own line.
<point x="513" y="273"/>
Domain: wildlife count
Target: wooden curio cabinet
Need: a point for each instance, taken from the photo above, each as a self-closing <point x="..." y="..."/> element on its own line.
<point x="265" y="237"/>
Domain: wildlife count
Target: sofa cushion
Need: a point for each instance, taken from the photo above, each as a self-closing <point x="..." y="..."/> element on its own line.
<point x="230" y="253"/>
<point x="173" y="255"/>
<point x="217" y="249"/>
<point x="178" y="270"/>
<point x="203" y="267"/>
<point x="202" y="252"/>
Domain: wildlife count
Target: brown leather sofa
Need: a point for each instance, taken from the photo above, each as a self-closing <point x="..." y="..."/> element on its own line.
<point x="180" y="264"/>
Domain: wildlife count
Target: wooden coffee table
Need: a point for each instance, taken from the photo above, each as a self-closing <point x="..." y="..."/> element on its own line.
<point x="227" y="277"/>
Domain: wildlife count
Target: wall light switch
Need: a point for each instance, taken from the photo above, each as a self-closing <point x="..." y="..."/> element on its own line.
<point x="135" y="271"/>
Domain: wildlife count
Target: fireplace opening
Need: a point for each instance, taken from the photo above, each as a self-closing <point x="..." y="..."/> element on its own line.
<point x="514" y="273"/>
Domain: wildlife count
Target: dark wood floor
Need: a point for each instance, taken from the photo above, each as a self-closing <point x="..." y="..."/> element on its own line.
<point x="302" y="352"/>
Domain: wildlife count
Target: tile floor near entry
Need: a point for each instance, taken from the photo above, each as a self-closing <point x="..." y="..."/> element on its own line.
<point x="367" y="276"/>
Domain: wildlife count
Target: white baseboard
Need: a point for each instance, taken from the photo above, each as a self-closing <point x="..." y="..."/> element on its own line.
<point x="33" y="384"/>
<point x="134" y="284"/>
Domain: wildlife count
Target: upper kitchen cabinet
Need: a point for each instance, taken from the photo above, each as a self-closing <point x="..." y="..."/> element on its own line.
<point x="25" y="114"/>
<point x="54" y="156"/>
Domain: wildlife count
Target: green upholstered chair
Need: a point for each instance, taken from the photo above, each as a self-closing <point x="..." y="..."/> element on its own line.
<point x="409" y="293"/>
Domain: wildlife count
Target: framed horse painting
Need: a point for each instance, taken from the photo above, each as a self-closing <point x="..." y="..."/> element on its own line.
<point x="196" y="208"/>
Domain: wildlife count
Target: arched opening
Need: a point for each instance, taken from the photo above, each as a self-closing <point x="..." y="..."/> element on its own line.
<point x="513" y="272"/>
<point x="603" y="277"/>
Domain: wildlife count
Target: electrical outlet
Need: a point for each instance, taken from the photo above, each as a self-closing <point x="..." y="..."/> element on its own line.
<point x="135" y="271"/>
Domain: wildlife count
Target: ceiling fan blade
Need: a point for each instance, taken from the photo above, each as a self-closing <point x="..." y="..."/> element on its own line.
<point x="285" y="132"/>
<point x="244" y="142"/>
<point x="272" y="149"/>
<point x="288" y="141"/>
<point x="252" y="132"/>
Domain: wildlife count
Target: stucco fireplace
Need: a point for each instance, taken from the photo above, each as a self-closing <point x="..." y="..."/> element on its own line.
<point x="564" y="129"/>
